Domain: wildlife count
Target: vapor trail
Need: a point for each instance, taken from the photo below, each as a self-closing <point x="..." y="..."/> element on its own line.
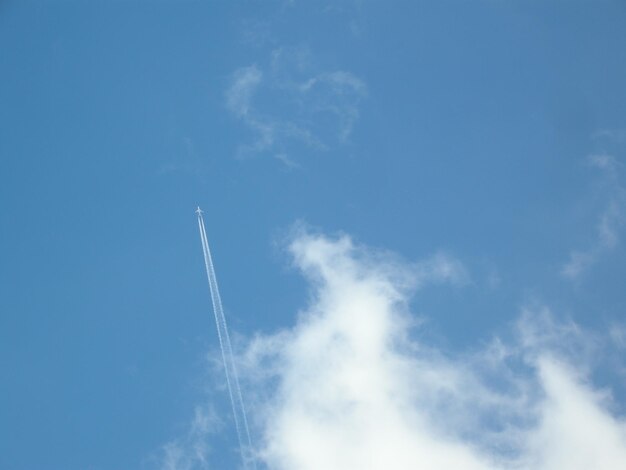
<point x="230" y="369"/>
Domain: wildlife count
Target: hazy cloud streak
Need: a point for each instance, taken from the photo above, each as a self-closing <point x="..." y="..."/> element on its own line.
<point x="610" y="222"/>
<point x="306" y="99"/>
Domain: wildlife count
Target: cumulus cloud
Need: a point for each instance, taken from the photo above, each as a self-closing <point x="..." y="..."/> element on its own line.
<point x="610" y="222"/>
<point x="352" y="386"/>
<point x="349" y="386"/>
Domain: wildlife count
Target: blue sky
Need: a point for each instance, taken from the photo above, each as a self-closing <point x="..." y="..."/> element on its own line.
<point x="456" y="166"/>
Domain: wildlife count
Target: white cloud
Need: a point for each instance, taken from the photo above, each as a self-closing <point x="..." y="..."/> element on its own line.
<point x="614" y="135"/>
<point x="245" y="81"/>
<point x="617" y="333"/>
<point x="610" y="222"/>
<point x="604" y="162"/>
<point x="338" y="93"/>
<point x="442" y="267"/>
<point x="287" y="161"/>
<point x="320" y="93"/>
<point x="191" y="451"/>
<point x="271" y="133"/>
<point x="239" y="96"/>
<point x="347" y="387"/>
<point x="302" y="98"/>
<point x="575" y="430"/>
<point x="256" y="33"/>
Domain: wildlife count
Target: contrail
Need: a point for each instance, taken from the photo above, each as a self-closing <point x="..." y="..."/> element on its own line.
<point x="234" y="390"/>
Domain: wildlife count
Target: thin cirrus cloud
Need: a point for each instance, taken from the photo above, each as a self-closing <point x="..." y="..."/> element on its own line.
<point x="239" y="97"/>
<point x="306" y="98"/>
<point x="610" y="222"/>
<point x="615" y="135"/>
<point x="192" y="450"/>
<point x="320" y="94"/>
<point x="347" y="387"/>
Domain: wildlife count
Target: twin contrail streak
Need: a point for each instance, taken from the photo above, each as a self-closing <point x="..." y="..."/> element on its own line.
<point x="230" y="369"/>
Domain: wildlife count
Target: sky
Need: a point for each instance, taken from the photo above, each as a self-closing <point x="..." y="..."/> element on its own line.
<point x="416" y="211"/>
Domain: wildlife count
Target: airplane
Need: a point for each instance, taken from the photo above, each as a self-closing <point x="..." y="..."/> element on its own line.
<point x="199" y="211"/>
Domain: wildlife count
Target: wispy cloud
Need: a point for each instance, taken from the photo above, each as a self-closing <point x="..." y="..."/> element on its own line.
<point x="321" y="93"/>
<point x="286" y="160"/>
<point x="255" y="32"/>
<point x="239" y="101"/>
<point x="610" y="222"/>
<point x="617" y="334"/>
<point x="302" y="98"/>
<point x="337" y="93"/>
<point x="244" y="83"/>
<point x="347" y="387"/>
<point x="615" y="135"/>
<point x="186" y="160"/>
<point x="442" y="267"/>
<point x="191" y="451"/>
<point x="352" y="14"/>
